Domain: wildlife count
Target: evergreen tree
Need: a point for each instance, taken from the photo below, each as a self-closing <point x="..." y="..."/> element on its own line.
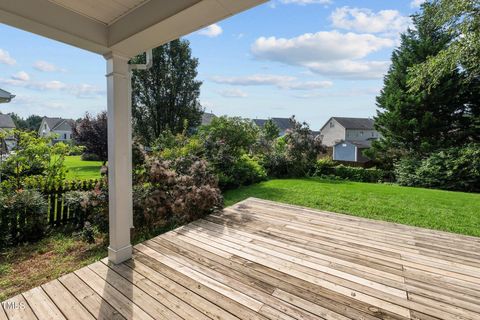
<point x="167" y="95"/>
<point x="420" y="122"/>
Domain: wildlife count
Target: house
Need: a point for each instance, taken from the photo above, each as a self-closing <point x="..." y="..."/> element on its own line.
<point x="283" y="124"/>
<point x="61" y="127"/>
<point x="338" y="129"/>
<point x="6" y="123"/>
<point x="5" y="96"/>
<point x="207" y="118"/>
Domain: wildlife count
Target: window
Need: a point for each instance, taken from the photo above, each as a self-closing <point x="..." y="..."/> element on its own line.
<point x="373" y="134"/>
<point x="64" y="136"/>
<point x="344" y="145"/>
<point x="332" y="124"/>
<point x="45" y="126"/>
<point x="361" y="133"/>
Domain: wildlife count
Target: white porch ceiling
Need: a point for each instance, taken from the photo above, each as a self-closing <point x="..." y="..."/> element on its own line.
<point x="105" y="11"/>
<point x="126" y="27"/>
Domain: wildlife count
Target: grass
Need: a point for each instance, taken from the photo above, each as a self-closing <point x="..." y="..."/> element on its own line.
<point x="434" y="209"/>
<point x="82" y="170"/>
<point x="28" y="266"/>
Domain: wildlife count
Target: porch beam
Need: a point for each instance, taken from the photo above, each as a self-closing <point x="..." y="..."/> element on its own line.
<point x="119" y="158"/>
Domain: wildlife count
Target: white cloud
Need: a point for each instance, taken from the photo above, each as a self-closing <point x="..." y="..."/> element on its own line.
<point x="233" y="93"/>
<point x="22" y="79"/>
<point x="365" y="20"/>
<point x="21" y="76"/>
<point x="279" y="81"/>
<point x="5" y="58"/>
<point x="253" y="80"/>
<point x="351" y="69"/>
<point x="416" y="3"/>
<point x="329" y="53"/>
<point x="47" y="67"/>
<point x="211" y="31"/>
<point x="305" y="2"/>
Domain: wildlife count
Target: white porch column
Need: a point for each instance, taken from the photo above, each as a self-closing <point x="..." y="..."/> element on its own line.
<point x="119" y="158"/>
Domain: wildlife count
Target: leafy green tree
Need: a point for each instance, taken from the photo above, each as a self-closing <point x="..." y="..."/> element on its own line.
<point x="420" y="122"/>
<point x="31" y="123"/>
<point x="270" y="130"/>
<point x="460" y="19"/>
<point x="91" y="133"/>
<point x="166" y="95"/>
<point x="35" y="156"/>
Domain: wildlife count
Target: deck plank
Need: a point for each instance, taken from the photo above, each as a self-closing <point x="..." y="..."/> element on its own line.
<point x="264" y="260"/>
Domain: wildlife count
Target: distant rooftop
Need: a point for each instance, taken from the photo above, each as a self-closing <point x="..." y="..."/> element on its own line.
<point x="6" y="122"/>
<point x="356" y="123"/>
<point x="207" y="118"/>
<point x="282" y="123"/>
<point x="59" y="123"/>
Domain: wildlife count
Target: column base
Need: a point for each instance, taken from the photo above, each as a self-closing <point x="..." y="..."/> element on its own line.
<point x="120" y="255"/>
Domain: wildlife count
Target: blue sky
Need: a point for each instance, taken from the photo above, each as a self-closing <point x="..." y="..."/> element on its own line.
<point x="311" y="58"/>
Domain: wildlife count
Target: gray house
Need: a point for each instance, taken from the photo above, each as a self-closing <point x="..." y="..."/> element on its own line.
<point x="61" y="127"/>
<point x="338" y="129"/>
<point x="349" y="137"/>
<point x="282" y="123"/>
<point x="6" y="123"/>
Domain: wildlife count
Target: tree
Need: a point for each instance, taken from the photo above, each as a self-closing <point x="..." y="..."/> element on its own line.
<point x="270" y="130"/>
<point x="460" y="19"/>
<point x="31" y="123"/>
<point x="91" y="132"/>
<point x="35" y="156"/>
<point x="166" y="95"/>
<point x="421" y="122"/>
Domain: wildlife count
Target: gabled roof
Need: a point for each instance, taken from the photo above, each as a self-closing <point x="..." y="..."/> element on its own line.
<point x="5" y="96"/>
<point x="6" y="122"/>
<point x="207" y="118"/>
<point x="355" y="123"/>
<point x="282" y="123"/>
<point x="59" y="123"/>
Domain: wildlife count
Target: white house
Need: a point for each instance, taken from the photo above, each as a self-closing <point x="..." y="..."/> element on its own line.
<point x="62" y="128"/>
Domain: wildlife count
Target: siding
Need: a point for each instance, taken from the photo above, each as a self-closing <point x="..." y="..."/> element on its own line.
<point x="332" y="135"/>
<point x="344" y="152"/>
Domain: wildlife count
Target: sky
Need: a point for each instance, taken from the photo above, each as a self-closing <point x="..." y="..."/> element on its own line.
<point x="310" y="58"/>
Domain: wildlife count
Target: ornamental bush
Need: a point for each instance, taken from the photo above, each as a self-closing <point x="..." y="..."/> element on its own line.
<point x="328" y="168"/>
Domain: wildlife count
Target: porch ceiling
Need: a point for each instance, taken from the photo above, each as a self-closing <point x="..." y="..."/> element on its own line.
<point x="126" y="27"/>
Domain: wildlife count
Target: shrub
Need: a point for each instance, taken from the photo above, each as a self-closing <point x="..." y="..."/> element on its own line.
<point x="451" y="169"/>
<point x="244" y="171"/>
<point x="328" y="168"/>
<point x="29" y="208"/>
<point x="175" y="192"/>
<point x="90" y="157"/>
<point x="77" y="203"/>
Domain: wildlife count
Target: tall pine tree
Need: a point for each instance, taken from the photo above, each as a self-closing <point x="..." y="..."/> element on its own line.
<point x="166" y="96"/>
<point x="417" y="123"/>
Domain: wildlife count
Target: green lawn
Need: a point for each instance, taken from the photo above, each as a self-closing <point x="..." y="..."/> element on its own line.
<point x="435" y="209"/>
<point x="82" y="170"/>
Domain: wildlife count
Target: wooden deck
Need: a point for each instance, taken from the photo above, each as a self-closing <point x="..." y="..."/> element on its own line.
<point x="264" y="260"/>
